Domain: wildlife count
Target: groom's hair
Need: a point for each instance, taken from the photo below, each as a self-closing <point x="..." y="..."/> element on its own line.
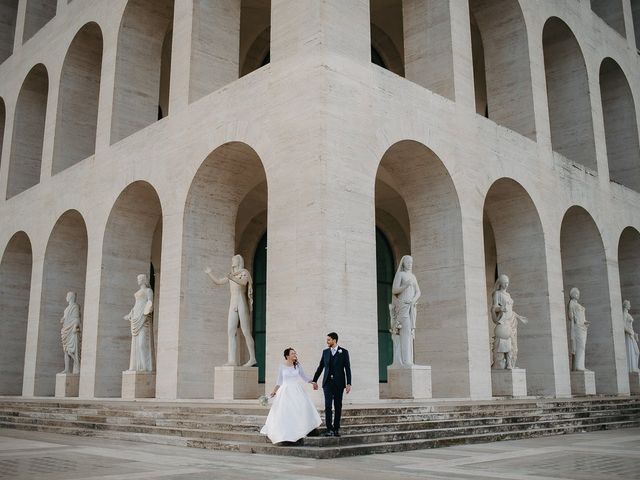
<point x="333" y="335"/>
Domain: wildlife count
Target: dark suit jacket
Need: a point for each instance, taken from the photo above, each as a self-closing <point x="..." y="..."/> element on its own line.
<point x="342" y="369"/>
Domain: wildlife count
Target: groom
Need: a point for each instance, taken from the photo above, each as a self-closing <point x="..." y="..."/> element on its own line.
<point x="335" y="381"/>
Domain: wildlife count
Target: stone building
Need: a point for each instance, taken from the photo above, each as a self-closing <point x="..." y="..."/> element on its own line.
<point x="163" y="136"/>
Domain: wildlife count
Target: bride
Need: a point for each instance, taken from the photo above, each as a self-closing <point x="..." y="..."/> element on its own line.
<point x="292" y="415"/>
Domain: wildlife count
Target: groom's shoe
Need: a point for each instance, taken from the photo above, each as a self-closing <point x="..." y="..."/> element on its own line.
<point x="336" y="433"/>
<point x="328" y="433"/>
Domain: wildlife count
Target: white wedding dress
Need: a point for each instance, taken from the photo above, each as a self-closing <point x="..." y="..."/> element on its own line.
<point x="292" y="414"/>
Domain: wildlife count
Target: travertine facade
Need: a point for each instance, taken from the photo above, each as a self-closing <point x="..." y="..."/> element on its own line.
<point x="501" y="137"/>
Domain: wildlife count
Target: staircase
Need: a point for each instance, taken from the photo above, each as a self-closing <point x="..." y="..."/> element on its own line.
<point x="373" y="429"/>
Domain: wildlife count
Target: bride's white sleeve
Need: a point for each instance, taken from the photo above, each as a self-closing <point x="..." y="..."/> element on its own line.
<point x="279" y="380"/>
<point x="302" y="374"/>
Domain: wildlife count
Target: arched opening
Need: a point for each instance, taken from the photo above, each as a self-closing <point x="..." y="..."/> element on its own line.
<point x="568" y="94"/>
<point x="385" y="264"/>
<point x="611" y="12"/>
<point x="255" y="35"/>
<point x="132" y="246"/>
<point x="143" y="64"/>
<point x="629" y="269"/>
<point x="225" y="214"/>
<point x="260" y="305"/>
<point x="3" y="122"/>
<point x="584" y="267"/>
<point x="620" y="125"/>
<point x="8" y="14"/>
<point x="15" y="289"/>
<point x="28" y="132"/>
<point x="65" y="267"/>
<point x="514" y="246"/>
<point x="214" y="46"/>
<point x="387" y="35"/>
<point x="418" y="211"/>
<point x="635" y="15"/>
<point x="502" y="74"/>
<point x="428" y="46"/>
<point x="77" y="116"/>
<point x="37" y="15"/>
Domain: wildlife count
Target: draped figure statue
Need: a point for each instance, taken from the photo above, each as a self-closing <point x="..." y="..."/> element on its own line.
<point x="406" y="292"/>
<point x="630" y="338"/>
<point x="70" y="335"/>
<point x="579" y="326"/>
<point x="505" y="340"/>
<point x="141" y="318"/>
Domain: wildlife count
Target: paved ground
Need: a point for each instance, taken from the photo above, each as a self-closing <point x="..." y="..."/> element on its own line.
<point x="610" y="455"/>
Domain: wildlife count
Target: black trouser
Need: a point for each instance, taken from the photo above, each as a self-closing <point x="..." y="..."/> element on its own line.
<point x="332" y="395"/>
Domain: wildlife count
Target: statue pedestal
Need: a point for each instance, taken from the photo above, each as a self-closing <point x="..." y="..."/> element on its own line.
<point x="138" y="385"/>
<point x="235" y="383"/>
<point x="583" y="383"/>
<point x="634" y="383"/>
<point x="509" y="383"/>
<point x="409" y="382"/>
<point x="67" y="384"/>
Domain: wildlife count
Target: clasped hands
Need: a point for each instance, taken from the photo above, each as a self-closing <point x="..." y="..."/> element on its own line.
<point x="315" y="387"/>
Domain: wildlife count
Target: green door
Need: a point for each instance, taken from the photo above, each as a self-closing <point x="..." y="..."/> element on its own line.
<point x="385" y="272"/>
<point x="260" y="304"/>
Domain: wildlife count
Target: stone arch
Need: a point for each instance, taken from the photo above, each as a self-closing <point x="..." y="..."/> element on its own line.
<point x="611" y="12"/>
<point x="620" y="125"/>
<point x="629" y="268"/>
<point x="514" y="245"/>
<point x="502" y="70"/>
<point x="65" y="268"/>
<point x="143" y="61"/>
<point x="214" y="46"/>
<point x="8" y="15"/>
<point x="132" y="245"/>
<point x="28" y="132"/>
<point x="37" y="15"/>
<point x="568" y="94"/>
<point x="77" y="116"/>
<point x="15" y="289"/>
<point x="584" y="266"/>
<point x="225" y="214"/>
<point x="255" y="35"/>
<point x="433" y="223"/>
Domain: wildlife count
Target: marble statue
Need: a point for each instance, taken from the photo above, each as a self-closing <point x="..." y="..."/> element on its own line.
<point x="70" y="335"/>
<point x="630" y="338"/>
<point x="579" y="325"/>
<point x="505" y="341"/>
<point x="141" y="318"/>
<point x="240" y="308"/>
<point x="405" y="294"/>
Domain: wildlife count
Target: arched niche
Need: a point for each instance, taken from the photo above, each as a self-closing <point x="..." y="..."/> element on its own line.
<point x="77" y="117"/>
<point x="502" y="72"/>
<point x="620" y="125"/>
<point x="8" y="15"/>
<point x="584" y="266"/>
<point x="629" y="269"/>
<point x="143" y="66"/>
<point x="37" y="15"/>
<point x="28" y="132"/>
<point x="255" y="35"/>
<point x="15" y="289"/>
<point x="568" y="94"/>
<point x="65" y="267"/>
<point x="611" y="12"/>
<point x="225" y="214"/>
<point x="417" y="203"/>
<point x="132" y="245"/>
<point x="514" y="245"/>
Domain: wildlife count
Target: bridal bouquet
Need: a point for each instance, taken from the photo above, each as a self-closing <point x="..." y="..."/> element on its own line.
<point x="263" y="400"/>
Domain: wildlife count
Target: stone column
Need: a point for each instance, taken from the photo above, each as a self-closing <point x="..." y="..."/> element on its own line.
<point x="20" y="17"/>
<point x="31" y="347"/>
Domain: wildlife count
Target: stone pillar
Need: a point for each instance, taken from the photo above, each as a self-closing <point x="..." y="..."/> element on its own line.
<point x="20" y="18"/>
<point x="31" y="348"/>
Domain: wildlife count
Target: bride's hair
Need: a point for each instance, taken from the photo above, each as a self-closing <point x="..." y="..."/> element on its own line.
<point x="287" y="351"/>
